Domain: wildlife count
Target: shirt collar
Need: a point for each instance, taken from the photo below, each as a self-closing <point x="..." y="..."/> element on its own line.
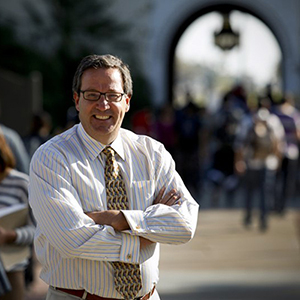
<point x="117" y="145"/>
<point x="94" y="147"/>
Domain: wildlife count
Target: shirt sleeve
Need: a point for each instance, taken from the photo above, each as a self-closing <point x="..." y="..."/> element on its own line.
<point x="25" y="235"/>
<point x="61" y="221"/>
<point x="161" y="223"/>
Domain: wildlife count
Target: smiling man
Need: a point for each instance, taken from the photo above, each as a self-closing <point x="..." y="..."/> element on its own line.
<point x="102" y="119"/>
<point x="104" y="198"/>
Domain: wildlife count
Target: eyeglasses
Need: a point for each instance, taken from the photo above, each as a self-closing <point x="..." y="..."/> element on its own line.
<point x="109" y="97"/>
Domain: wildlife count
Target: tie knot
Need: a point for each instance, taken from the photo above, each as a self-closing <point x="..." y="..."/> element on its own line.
<point x="109" y="151"/>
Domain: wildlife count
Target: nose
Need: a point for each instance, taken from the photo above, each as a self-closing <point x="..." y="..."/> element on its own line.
<point x="102" y="104"/>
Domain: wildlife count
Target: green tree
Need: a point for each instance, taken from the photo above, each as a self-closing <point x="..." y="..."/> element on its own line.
<point x="56" y="39"/>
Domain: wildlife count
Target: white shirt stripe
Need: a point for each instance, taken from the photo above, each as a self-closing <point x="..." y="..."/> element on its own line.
<point x="67" y="180"/>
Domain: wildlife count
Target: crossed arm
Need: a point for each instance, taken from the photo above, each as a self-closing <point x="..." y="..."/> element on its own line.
<point x="117" y="220"/>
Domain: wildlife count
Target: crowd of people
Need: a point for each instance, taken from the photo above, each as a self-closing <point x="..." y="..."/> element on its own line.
<point x="263" y="141"/>
<point x="246" y="154"/>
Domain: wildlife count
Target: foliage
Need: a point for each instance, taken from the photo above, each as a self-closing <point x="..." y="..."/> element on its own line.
<point x="56" y="39"/>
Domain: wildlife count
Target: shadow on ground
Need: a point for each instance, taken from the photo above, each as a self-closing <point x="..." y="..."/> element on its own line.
<point x="240" y="292"/>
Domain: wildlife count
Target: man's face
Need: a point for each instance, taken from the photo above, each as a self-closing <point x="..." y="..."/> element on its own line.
<point x="101" y="119"/>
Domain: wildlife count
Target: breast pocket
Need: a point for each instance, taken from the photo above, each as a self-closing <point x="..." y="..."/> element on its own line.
<point x="142" y="193"/>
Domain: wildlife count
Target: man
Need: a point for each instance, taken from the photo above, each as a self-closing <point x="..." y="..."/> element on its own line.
<point x="80" y="239"/>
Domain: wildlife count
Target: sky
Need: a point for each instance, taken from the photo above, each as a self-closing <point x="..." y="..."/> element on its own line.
<point x="257" y="55"/>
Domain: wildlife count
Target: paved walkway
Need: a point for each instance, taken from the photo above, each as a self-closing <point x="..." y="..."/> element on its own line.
<point x="226" y="261"/>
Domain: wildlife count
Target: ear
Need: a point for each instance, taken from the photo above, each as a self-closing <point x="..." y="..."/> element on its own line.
<point x="128" y="98"/>
<point x="76" y="100"/>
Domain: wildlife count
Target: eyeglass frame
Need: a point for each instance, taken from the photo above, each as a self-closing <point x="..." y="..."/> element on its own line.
<point x="104" y="94"/>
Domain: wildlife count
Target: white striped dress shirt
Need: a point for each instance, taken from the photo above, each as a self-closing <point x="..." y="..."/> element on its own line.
<point x="67" y="180"/>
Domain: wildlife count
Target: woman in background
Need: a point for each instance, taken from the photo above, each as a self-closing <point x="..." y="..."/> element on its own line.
<point x="14" y="190"/>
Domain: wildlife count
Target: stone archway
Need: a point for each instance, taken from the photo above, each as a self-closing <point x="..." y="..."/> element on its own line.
<point x="220" y="8"/>
<point x="172" y="19"/>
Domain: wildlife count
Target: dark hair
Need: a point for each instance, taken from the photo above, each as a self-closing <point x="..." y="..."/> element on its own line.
<point x="7" y="159"/>
<point x="103" y="61"/>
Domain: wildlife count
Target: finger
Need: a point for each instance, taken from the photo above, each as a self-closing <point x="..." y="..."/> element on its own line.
<point x="159" y="196"/>
<point x="172" y="200"/>
<point x="169" y="196"/>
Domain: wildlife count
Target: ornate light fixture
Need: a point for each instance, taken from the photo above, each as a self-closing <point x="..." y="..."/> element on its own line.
<point x="226" y="38"/>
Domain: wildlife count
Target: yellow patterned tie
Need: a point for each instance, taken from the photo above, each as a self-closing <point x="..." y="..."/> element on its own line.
<point x="127" y="276"/>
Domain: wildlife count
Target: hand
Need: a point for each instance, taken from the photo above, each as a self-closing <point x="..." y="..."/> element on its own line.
<point x="168" y="199"/>
<point x="114" y="218"/>
<point x="7" y="236"/>
<point x="144" y="243"/>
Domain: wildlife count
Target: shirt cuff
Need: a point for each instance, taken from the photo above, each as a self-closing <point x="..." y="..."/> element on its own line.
<point x="130" y="248"/>
<point x="136" y="221"/>
<point x="18" y="240"/>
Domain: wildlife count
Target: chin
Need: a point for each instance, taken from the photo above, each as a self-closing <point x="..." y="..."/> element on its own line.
<point x="103" y="138"/>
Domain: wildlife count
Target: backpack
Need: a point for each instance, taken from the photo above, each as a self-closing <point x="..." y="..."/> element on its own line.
<point x="261" y="140"/>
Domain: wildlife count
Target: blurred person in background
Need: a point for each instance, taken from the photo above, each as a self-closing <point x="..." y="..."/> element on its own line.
<point x="224" y="128"/>
<point x="76" y="202"/>
<point x="13" y="191"/>
<point x="188" y="128"/>
<point x="40" y="128"/>
<point x="258" y="152"/>
<point x="287" y="175"/>
<point x="165" y="130"/>
<point x="17" y="147"/>
<point x="142" y="122"/>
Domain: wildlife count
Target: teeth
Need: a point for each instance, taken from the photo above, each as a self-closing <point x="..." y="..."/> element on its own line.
<point x="101" y="117"/>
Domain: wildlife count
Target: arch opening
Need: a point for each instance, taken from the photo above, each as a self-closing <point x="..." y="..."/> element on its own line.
<point x="197" y="66"/>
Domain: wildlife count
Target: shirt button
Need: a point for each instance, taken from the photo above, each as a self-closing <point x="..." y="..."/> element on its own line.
<point x="129" y="256"/>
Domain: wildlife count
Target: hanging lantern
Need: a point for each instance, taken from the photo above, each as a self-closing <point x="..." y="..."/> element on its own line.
<point x="226" y="39"/>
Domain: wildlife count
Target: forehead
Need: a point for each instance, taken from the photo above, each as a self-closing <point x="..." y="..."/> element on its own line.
<point x="102" y="75"/>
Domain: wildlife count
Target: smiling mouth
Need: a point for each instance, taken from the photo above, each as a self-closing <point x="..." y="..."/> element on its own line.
<point x="102" y="117"/>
